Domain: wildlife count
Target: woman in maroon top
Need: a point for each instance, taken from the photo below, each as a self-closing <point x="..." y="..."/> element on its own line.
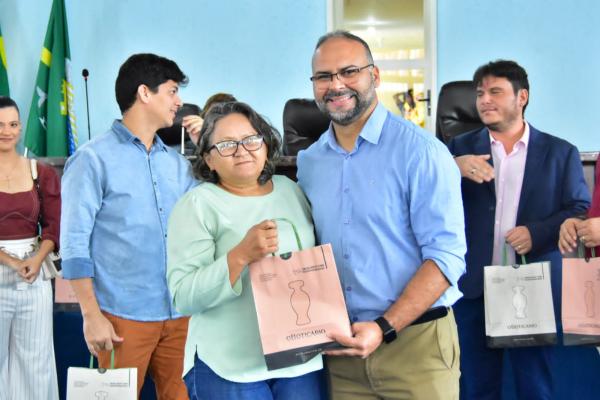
<point x="588" y="230"/>
<point x="27" y="366"/>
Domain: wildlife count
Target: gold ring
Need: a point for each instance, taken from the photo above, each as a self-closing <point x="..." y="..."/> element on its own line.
<point x="583" y="239"/>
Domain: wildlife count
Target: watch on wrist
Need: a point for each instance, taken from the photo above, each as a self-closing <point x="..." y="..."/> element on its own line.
<point x="389" y="333"/>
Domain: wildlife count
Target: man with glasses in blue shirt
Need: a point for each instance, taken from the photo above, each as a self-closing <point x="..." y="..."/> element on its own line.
<point x="386" y="195"/>
<point x="118" y="191"/>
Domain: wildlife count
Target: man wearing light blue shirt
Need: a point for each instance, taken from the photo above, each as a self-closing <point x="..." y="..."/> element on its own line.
<point x="386" y="195"/>
<point x="118" y="191"/>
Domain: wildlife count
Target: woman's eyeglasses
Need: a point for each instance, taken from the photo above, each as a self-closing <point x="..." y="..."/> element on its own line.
<point x="228" y="148"/>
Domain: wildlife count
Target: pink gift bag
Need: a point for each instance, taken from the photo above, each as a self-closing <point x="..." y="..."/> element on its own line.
<point x="581" y="300"/>
<point x="299" y="300"/>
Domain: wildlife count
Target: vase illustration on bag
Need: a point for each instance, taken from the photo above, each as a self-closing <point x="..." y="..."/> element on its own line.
<point x="519" y="302"/>
<point x="300" y="302"/>
<point x="101" y="395"/>
<point x="590" y="299"/>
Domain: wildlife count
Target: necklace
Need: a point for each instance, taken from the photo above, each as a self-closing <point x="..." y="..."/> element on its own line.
<point x="8" y="176"/>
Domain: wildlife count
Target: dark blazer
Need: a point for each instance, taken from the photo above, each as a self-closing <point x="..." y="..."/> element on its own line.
<point x="553" y="190"/>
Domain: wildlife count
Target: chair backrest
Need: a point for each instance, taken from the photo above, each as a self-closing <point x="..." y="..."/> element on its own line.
<point x="303" y="124"/>
<point x="456" y="112"/>
<point x="172" y="135"/>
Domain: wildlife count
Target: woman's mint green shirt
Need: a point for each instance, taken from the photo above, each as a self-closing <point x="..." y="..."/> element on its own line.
<point x="205" y="224"/>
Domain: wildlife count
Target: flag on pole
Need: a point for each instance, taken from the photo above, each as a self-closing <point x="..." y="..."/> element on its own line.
<point x="51" y="130"/>
<point x="4" y="90"/>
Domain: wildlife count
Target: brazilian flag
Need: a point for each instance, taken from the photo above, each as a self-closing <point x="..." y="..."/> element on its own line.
<point x="4" y="90"/>
<point x="51" y="128"/>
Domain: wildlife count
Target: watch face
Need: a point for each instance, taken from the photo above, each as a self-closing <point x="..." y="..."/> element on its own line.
<point x="389" y="336"/>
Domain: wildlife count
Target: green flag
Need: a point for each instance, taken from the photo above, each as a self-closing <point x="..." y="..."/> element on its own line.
<point x="4" y="90"/>
<point x="51" y="128"/>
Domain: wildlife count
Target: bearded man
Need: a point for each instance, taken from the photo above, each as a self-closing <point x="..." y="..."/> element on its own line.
<point x="386" y="195"/>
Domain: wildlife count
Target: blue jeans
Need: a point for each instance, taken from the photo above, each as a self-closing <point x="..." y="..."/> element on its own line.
<point x="203" y="384"/>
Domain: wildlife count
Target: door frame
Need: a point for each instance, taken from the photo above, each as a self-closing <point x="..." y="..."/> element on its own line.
<point x="429" y="63"/>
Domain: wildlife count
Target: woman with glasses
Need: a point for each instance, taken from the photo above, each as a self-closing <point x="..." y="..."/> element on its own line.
<point x="215" y="231"/>
<point x="27" y="367"/>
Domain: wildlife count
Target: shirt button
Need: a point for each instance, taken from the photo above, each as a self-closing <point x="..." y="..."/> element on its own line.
<point x="349" y="288"/>
<point x="354" y="319"/>
<point x="346" y="190"/>
<point x="346" y="256"/>
<point x="154" y="183"/>
<point x="160" y="209"/>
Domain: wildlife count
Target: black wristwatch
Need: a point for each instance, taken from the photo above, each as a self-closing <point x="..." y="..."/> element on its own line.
<point x="389" y="333"/>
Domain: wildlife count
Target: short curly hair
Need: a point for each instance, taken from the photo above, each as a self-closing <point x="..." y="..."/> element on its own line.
<point x="271" y="136"/>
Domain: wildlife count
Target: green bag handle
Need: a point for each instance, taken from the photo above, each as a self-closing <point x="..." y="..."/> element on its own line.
<point x="298" y="242"/>
<point x="112" y="360"/>
<point x="505" y="257"/>
<point x="581" y="251"/>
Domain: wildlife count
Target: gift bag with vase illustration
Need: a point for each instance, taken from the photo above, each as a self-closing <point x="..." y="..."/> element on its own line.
<point x="299" y="300"/>
<point x="518" y="304"/>
<point x="581" y="299"/>
<point x="102" y="384"/>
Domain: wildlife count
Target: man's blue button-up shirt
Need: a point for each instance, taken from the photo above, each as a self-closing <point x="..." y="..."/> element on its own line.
<point x="116" y="200"/>
<point x="388" y="205"/>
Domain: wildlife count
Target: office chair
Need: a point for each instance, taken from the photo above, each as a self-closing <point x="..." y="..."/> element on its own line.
<point x="303" y="124"/>
<point x="456" y="112"/>
<point x="171" y="136"/>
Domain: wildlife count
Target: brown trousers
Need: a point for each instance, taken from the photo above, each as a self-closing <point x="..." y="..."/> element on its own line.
<point x="153" y="347"/>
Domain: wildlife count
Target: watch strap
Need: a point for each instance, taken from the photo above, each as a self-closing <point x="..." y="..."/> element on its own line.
<point x="389" y="333"/>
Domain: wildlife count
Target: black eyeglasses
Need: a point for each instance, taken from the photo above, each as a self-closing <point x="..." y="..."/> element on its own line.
<point x="228" y="148"/>
<point x="345" y="75"/>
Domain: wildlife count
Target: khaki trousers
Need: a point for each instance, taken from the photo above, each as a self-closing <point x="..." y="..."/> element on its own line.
<point x="153" y="347"/>
<point x="421" y="364"/>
